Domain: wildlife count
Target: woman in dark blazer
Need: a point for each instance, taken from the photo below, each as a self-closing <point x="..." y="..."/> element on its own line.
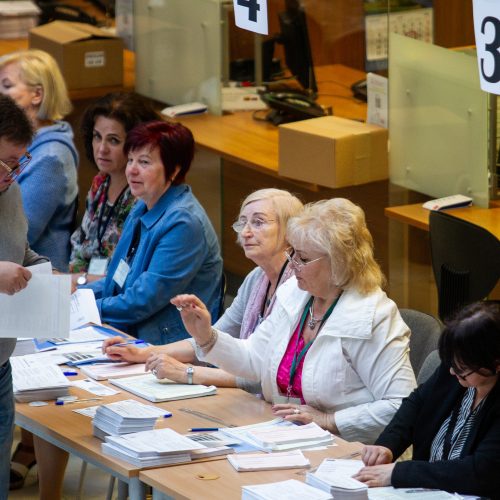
<point x="453" y="419"/>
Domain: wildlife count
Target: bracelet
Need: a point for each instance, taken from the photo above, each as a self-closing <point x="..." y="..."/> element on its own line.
<point x="210" y="342"/>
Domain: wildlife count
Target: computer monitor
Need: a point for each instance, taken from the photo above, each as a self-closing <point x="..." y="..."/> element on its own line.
<point x="294" y="37"/>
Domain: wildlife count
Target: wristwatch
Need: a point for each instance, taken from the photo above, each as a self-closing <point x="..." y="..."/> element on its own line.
<point x="190" y="373"/>
<point x="82" y="280"/>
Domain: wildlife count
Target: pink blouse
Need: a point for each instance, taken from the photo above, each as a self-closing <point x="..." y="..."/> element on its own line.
<point x="283" y="375"/>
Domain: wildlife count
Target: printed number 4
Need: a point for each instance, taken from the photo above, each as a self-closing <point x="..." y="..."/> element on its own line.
<point x="253" y="6"/>
<point x="492" y="48"/>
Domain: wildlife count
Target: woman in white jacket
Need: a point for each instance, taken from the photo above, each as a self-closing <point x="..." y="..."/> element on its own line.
<point x="334" y="350"/>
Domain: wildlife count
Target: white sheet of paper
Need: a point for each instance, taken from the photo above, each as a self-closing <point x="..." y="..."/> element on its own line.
<point x="290" y="489"/>
<point x="27" y="376"/>
<point x="83" y="309"/>
<point x="339" y="473"/>
<point x="251" y="15"/>
<point x="94" y="387"/>
<point x="43" y="268"/>
<point x="130" y="408"/>
<point x="41" y="310"/>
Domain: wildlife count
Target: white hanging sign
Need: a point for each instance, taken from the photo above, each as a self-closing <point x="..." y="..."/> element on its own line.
<point x="251" y="15"/>
<point x="487" y="31"/>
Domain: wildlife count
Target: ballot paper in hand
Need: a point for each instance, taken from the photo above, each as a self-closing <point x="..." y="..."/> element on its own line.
<point x="40" y="310"/>
<point x="83" y="309"/>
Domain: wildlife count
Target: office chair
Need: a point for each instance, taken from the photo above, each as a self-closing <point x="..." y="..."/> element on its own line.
<point x="431" y="362"/>
<point x="425" y="332"/>
<point x="465" y="261"/>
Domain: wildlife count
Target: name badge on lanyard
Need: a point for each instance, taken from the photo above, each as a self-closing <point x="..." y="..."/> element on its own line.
<point x="98" y="265"/>
<point x="121" y="273"/>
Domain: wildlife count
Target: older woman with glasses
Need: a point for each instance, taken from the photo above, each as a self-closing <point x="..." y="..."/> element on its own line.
<point x="261" y="228"/>
<point x="453" y="419"/>
<point x="49" y="182"/>
<point x="334" y="350"/>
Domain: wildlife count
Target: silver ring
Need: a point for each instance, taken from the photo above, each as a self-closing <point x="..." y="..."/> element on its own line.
<point x="154" y="371"/>
<point x="296" y="411"/>
<point x="180" y="308"/>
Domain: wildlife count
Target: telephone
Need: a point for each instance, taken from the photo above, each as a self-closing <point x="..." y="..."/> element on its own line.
<point x="52" y="11"/>
<point x="289" y="107"/>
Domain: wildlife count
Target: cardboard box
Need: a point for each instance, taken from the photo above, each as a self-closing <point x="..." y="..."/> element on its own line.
<point x="333" y="152"/>
<point x="88" y="56"/>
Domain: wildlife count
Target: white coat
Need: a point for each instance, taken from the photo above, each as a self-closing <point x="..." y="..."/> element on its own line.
<point x="357" y="368"/>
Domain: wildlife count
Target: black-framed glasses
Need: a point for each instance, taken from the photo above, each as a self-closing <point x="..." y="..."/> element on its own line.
<point x="461" y="375"/>
<point x="18" y="167"/>
<point x="297" y="262"/>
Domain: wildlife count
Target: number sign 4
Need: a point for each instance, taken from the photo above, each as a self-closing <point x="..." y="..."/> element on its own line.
<point x="251" y="15"/>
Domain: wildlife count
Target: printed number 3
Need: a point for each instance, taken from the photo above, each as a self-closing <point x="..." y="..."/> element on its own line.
<point x="253" y="7"/>
<point x="492" y="48"/>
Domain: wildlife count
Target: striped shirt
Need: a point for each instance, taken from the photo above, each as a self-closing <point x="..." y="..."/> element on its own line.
<point x="465" y="421"/>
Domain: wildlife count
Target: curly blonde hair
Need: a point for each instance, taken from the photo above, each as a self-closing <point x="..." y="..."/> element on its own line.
<point x="337" y="228"/>
<point x="39" y="69"/>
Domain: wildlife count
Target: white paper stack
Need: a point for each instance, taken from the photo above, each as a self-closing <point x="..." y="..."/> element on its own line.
<point x="35" y="382"/>
<point x="17" y="18"/>
<point x="335" y="477"/>
<point x="125" y="417"/>
<point x="150" y="388"/>
<point x="291" y="437"/>
<point x="280" y="435"/>
<point x="246" y="462"/>
<point x="151" y="448"/>
<point x="291" y="490"/>
<point x="105" y="371"/>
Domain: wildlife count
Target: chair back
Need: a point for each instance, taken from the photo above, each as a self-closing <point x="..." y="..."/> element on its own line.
<point x="431" y="362"/>
<point x="465" y="261"/>
<point x="425" y="332"/>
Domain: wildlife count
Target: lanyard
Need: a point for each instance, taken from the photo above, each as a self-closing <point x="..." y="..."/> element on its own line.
<point x="101" y="228"/>
<point x="135" y="243"/>
<point x="297" y="358"/>
<point x="266" y="302"/>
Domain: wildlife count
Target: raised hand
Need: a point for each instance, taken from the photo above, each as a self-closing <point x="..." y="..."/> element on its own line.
<point x="195" y="316"/>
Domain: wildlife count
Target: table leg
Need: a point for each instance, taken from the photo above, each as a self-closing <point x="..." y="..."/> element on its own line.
<point x="136" y="489"/>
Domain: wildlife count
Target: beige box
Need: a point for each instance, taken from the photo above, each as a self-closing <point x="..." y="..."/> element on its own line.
<point x="333" y="152"/>
<point x="88" y="56"/>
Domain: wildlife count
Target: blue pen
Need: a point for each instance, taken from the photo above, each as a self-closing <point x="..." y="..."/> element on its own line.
<point x="123" y="344"/>
<point x="203" y="429"/>
<point x="69" y="374"/>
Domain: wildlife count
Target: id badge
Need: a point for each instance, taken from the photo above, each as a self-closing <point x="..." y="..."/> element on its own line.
<point x="98" y="265"/>
<point x="121" y="273"/>
<point x="280" y="399"/>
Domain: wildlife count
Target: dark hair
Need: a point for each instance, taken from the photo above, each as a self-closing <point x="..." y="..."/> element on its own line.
<point x="175" y="142"/>
<point x="15" y="126"/>
<point x="472" y="338"/>
<point x="128" y="108"/>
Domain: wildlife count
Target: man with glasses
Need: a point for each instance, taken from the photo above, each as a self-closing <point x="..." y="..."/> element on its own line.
<point x="16" y="133"/>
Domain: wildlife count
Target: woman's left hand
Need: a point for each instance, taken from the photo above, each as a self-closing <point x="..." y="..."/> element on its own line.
<point x="165" y="366"/>
<point x="376" y="475"/>
<point x="305" y="414"/>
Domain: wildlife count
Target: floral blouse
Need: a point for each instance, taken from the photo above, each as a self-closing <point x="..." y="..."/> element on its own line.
<point x="100" y="216"/>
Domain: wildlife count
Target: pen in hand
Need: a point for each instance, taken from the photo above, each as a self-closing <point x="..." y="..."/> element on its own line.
<point x="129" y="342"/>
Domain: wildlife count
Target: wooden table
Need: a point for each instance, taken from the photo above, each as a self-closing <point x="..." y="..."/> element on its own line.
<point x="183" y="482"/>
<point x="73" y="432"/>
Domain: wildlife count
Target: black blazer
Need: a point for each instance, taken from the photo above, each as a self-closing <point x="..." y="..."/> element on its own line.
<point x="476" y="472"/>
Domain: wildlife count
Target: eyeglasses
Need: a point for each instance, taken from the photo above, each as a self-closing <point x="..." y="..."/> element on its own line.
<point x="461" y="375"/>
<point x="13" y="172"/>
<point x="299" y="263"/>
<point x="255" y="224"/>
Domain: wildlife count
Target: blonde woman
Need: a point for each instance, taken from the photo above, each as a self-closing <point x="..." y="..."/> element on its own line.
<point x="334" y="349"/>
<point x="49" y="182"/>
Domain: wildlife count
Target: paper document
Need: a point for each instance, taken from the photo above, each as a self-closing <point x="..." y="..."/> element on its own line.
<point x="105" y="371"/>
<point x="291" y="490"/>
<point x="83" y="309"/>
<point x="390" y="493"/>
<point x="41" y="310"/>
<point x="81" y="335"/>
<point x="28" y="377"/>
<point x="246" y="462"/>
<point x="94" y="387"/>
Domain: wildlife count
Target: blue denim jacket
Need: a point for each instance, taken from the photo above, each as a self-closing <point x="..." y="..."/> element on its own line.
<point x="178" y="252"/>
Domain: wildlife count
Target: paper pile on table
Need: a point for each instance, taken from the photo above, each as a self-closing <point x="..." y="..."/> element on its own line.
<point x="246" y="462"/>
<point x="335" y="477"/>
<point x="151" y="448"/>
<point x="125" y="417"/>
<point x="291" y="490"/>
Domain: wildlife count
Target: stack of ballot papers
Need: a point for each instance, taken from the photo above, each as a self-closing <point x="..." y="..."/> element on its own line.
<point x="247" y="462"/>
<point x="105" y="371"/>
<point x="291" y="490"/>
<point x="281" y="435"/>
<point x="37" y="382"/>
<point x="151" y="448"/>
<point x="150" y="388"/>
<point x="335" y="477"/>
<point x="125" y="417"/>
